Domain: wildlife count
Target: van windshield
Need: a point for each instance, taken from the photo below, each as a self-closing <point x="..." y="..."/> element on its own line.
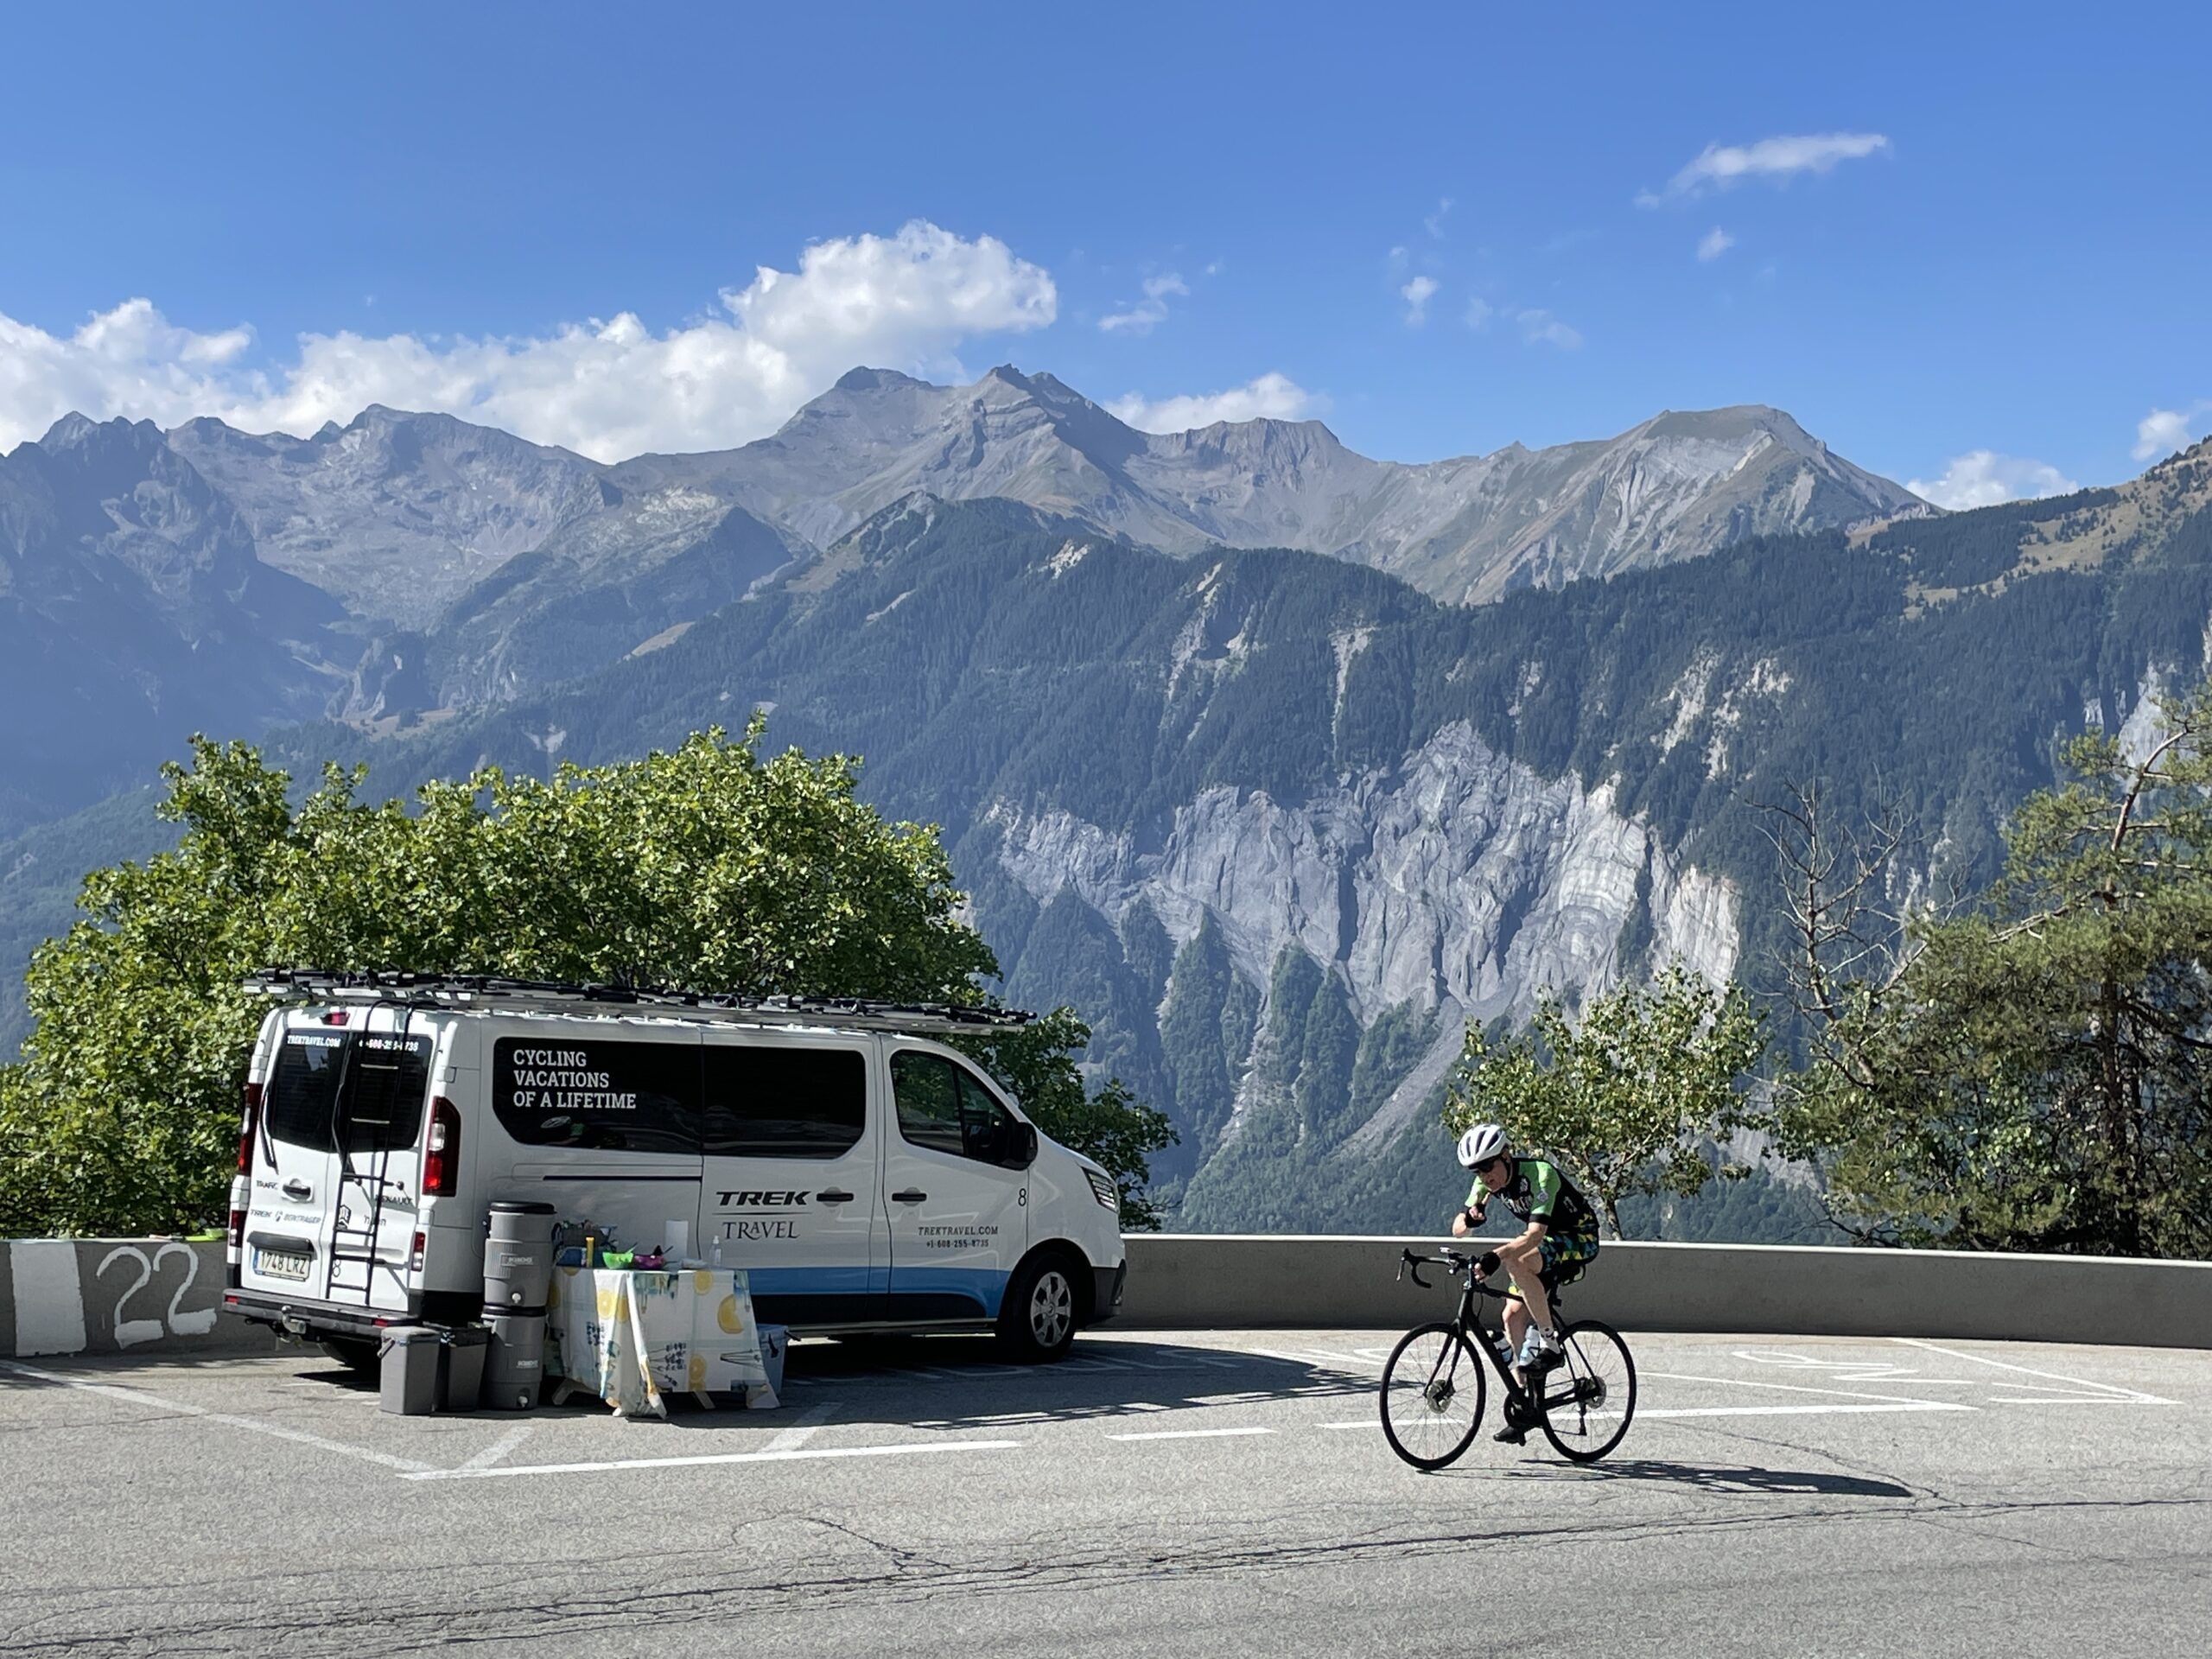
<point x="363" y="1090"/>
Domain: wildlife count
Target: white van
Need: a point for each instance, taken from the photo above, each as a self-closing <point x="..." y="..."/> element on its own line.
<point x="868" y="1178"/>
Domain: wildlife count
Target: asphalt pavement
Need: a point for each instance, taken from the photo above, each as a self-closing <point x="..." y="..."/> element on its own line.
<point x="1222" y="1492"/>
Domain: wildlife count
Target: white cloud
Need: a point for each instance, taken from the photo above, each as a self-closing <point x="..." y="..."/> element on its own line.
<point x="1982" y="478"/>
<point x="2161" y="432"/>
<point x="1541" y="328"/>
<point x="1714" y="243"/>
<point x="1433" y="223"/>
<point x="608" y="389"/>
<point x="1272" y="395"/>
<point x="1140" y="318"/>
<point x="1719" y="166"/>
<point x="1417" y="295"/>
<point x="1479" y="312"/>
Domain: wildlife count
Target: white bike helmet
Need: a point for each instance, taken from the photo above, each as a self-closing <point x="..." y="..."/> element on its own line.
<point x="1481" y="1143"/>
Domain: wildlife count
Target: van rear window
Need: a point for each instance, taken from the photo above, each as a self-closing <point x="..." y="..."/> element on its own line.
<point x="767" y="1101"/>
<point x="589" y="1092"/>
<point x="364" y="1089"/>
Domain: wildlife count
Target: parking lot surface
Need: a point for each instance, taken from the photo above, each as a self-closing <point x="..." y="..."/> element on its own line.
<point x="1201" y="1492"/>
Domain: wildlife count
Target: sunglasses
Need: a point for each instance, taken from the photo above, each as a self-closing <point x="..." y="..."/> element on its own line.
<point x="1483" y="1166"/>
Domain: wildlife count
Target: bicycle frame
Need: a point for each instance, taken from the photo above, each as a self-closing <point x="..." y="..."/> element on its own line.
<point x="1520" y="1404"/>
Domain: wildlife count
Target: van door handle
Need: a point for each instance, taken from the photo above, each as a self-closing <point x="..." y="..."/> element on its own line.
<point x="912" y="1195"/>
<point x="833" y="1195"/>
<point x="298" y="1189"/>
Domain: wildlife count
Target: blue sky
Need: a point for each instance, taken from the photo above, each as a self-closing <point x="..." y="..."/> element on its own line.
<point x="1937" y="235"/>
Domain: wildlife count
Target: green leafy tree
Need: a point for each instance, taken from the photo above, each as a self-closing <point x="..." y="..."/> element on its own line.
<point x="711" y="867"/>
<point x="1624" y="1099"/>
<point x="2036" y="1073"/>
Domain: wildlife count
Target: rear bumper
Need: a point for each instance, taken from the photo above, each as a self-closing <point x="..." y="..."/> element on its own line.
<point x="304" y="1317"/>
<point x="1107" y="1286"/>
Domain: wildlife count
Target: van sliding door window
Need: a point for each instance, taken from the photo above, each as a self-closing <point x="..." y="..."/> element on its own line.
<point x="766" y="1100"/>
<point x="592" y="1093"/>
<point x="384" y="1078"/>
<point x="943" y="1107"/>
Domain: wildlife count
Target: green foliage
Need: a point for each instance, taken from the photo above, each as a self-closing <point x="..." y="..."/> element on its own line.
<point x="1322" y="1093"/>
<point x="708" y="867"/>
<point x="1621" y="1100"/>
<point x="1198" y="1037"/>
<point x="1388" y="1050"/>
<point x="2039" y="1076"/>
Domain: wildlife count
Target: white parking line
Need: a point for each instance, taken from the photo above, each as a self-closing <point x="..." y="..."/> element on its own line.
<point x="1788" y="1388"/>
<point x="252" y="1425"/>
<point x="2110" y="1389"/>
<point x="705" y="1460"/>
<point x="499" y="1448"/>
<point x="1190" y="1433"/>
<point x="802" y="1429"/>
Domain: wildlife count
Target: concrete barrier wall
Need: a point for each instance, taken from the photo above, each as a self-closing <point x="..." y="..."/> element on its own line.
<point x="1189" y="1281"/>
<point x="119" y="1296"/>
<point x="162" y="1296"/>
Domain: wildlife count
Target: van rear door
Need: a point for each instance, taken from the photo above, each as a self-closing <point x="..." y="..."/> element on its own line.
<point x="334" y="1179"/>
<point x="293" y="1192"/>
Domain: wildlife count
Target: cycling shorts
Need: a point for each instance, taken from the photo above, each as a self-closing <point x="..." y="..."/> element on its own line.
<point x="1565" y="1256"/>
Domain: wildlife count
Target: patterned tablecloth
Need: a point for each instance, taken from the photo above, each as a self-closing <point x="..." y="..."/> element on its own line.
<point x="634" y="1337"/>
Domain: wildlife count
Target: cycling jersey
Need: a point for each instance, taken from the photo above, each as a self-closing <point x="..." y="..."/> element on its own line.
<point x="1538" y="1192"/>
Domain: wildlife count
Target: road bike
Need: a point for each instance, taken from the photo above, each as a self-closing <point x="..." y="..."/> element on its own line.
<point x="1434" y="1389"/>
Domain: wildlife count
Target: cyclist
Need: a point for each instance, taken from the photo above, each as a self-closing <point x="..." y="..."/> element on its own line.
<point x="1557" y="1243"/>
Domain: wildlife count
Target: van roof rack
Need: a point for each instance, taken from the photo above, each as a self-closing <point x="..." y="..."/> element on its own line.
<point x="485" y="994"/>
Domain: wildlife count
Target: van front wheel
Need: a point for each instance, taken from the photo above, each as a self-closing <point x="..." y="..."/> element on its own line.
<point x="1037" y="1320"/>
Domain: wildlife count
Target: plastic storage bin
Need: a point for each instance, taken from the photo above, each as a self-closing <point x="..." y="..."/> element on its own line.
<point x="460" y="1379"/>
<point x="407" y="1378"/>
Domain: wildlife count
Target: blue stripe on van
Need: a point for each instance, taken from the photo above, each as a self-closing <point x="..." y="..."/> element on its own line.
<point x="985" y="1285"/>
<point x="815" y="1282"/>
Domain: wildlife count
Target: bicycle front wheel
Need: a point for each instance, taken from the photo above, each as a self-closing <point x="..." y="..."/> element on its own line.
<point x="1589" y="1399"/>
<point x="1433" y="1392"/>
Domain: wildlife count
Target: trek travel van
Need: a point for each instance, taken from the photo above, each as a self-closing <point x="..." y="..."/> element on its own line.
<point x="867" y="1178"/>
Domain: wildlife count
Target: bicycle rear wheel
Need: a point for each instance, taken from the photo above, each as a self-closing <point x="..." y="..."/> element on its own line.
<point x="1432" y="1393"/>
<point x="1589" y="1399"/>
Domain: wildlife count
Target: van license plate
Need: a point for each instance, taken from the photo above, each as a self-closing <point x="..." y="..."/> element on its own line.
<point x="277" y="1264"/>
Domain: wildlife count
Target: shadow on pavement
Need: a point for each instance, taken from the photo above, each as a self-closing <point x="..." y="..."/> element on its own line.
<point x="955" y="1381"/>
<point x="1740" y="1477"/>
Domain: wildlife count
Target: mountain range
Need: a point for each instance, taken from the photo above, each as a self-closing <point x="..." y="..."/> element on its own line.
<point x="409" y="562"/>
<point x="1278" y="818"/>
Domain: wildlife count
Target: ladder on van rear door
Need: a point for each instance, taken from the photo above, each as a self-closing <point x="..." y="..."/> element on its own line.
<point x="349" y="1241"/>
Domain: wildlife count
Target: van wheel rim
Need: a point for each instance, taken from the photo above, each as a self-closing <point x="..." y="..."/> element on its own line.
<point x="1051" y="1310"/>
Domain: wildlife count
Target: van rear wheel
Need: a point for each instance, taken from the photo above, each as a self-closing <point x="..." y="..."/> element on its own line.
<point x="1036" y="1320"/>
<point x="358" y="1355"/>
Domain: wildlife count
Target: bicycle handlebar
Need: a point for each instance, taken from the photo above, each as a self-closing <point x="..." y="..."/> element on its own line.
<point x="1452" y="1261"/>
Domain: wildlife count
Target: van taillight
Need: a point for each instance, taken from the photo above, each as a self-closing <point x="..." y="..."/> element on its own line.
<point x="441" y="1168"/>
<point x="251" y="1127"/>
<point x="237" y="1232"/>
